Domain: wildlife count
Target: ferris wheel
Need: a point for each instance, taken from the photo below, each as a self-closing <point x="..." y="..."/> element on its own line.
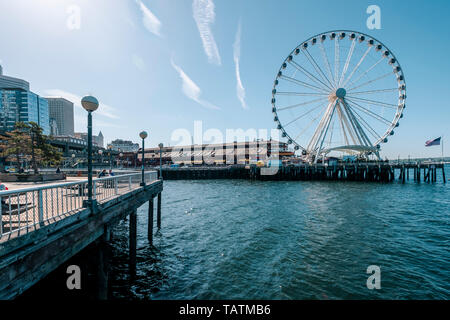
<point x="339" y="92"/>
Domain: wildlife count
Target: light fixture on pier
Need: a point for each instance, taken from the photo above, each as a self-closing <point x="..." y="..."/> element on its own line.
<point x="90" y="104"/>
<point x="160" y="160"/>
<point x="143" y="136"/>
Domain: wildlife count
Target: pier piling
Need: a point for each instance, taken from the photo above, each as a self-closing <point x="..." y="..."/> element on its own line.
<point x="150" y="220"/>
<point x="158" y="213"/>
<point x="133" y="242"/>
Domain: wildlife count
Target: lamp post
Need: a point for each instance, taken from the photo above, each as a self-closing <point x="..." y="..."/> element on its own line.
<point x="100" y="152"/>
<point x="143" y="135"/>
<point x="110" y="159"/>
<point x="160" y="160"/>
<point x="90" y="104"/>
<point x="73" y="159"/>
<point x="120" y="159"/>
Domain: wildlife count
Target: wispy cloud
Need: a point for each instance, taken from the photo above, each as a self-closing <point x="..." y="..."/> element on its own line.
<point x="151" y="22"/>
<point x="237" y="57"/>
<point x="190" y="88"/>
<point x="138" y="62"/>
<point x="203" y="12"/>
<point x="103" y="109"/>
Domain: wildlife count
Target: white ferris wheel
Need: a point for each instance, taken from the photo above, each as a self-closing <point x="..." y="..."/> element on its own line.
<point x="339" y="92"/>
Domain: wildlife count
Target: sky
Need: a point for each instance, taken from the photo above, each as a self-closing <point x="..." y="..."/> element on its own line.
<point x="161" y="65"/>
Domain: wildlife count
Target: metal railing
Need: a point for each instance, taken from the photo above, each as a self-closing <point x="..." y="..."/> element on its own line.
<point x="25" y="210"/>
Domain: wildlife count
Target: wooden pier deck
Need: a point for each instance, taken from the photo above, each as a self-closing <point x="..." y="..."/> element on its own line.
<point x="55" y="226"/>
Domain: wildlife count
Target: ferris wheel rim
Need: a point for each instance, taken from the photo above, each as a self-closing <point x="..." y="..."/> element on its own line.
<point x="401" y="79"/>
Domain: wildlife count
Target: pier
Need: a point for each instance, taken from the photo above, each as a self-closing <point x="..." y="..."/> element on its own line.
<point x="43" y="227"/>
<point x="363" y="171"/>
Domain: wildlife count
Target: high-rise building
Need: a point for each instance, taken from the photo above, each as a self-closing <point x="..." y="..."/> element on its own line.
<point x="61" y="111"/>
<point x="18" y="103"/>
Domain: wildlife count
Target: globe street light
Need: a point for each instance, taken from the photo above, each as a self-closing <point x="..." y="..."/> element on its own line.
<point x="143" y="136"/>
<point x="160" y="160"/>
<point x="90" y="104"/>
<point x="100" y="152"/>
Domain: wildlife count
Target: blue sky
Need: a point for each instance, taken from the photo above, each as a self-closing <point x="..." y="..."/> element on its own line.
<point x="159" y="65"/>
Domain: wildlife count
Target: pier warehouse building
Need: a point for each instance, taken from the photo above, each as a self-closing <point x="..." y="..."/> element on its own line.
<point x="217" y="154"/>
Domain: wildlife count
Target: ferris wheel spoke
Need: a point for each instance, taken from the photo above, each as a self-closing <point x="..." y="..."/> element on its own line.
<point x="372" y="91"/>
<point x="308" y="126"/>
<point x="372" y="114"/>
<point x="357" y="66"/>
<point x="317" y="68"/>
<point x="326" y="61"/>
<point x="304" y="114"/>
<point x="309" y="75"/>
<point x="288" y="93"/>
<point x="336" y="60"/>
<point x="318" y="133"/>
<point x="347" y="62"/>
<point x="366" y="72"/>
<point x="300" y="104"/>
<point x="304" y="84"/>
<point x="356" y="126"/>
<point x="374" y="102"/>
<point x="365" y="124"/>
<point x="327" y="126"/>
<point x="341" y="122"/>
<point x="346" y="124"/>
<point x="371" y="81"/>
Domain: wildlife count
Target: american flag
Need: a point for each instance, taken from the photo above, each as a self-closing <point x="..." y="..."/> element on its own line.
<point x="435" y="142"/>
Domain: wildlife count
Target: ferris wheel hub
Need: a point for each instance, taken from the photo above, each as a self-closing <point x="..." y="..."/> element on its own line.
<point x="337" y="94"/>
<point x="340" y="93"/>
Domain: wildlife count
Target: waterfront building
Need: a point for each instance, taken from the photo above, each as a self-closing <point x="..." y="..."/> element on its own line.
<point x="97" y="141"/>
<point x="61" y="111"/>
<point x="219" y="154"/>
<point x="124" y="145"/>
<point x="18" y="103"/>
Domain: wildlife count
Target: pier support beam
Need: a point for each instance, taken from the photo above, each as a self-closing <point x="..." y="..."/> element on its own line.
<point x="133" y="242"/>
<point x="158" y="213"/>
<point x="150" y="220"/>
<point x="443" y="173"/>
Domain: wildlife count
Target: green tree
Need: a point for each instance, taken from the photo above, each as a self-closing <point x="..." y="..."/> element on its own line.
<point x="27" y="140"/>
<point x="17" y="144"/>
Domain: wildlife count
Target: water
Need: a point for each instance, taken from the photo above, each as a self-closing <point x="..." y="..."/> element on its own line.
<point x="239" y="239"/>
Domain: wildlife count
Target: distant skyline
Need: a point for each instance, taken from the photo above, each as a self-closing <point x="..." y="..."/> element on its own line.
<point x="161" y="65"/>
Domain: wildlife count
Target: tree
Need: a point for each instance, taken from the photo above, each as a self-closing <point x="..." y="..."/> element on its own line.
<point x="28" y="140"/>
<point x="17" y="143"/>
<point x="42" y="151"/>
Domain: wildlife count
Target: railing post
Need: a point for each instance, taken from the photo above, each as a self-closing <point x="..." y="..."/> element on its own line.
<point x="94" y="191"/>
<point x="129" y="183"/>
<point x="40" y="207"/>
<point x="115" y="186"/>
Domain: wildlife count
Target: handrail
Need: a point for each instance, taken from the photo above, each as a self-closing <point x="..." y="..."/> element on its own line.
<point x="25" y="210"/>
<point x="64" y="184"/>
